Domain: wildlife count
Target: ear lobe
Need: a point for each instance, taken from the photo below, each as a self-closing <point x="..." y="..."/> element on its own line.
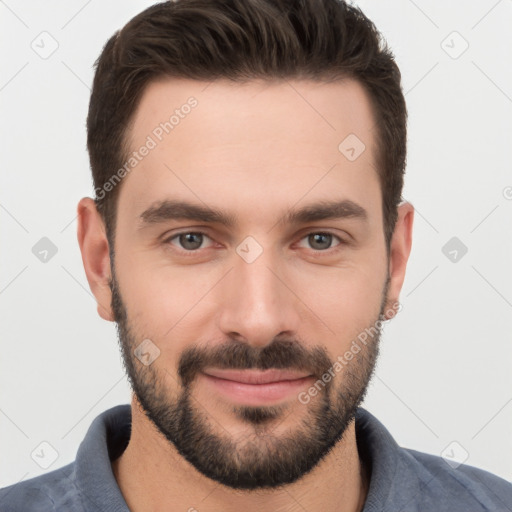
<point x="399" y="251"/>
<point x="94" y="247"/>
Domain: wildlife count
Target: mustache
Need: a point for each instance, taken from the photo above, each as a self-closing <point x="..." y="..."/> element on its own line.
<point x="236" y="355"/>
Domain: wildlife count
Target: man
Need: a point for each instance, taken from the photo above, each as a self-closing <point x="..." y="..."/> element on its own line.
<point x="249" y="240"/>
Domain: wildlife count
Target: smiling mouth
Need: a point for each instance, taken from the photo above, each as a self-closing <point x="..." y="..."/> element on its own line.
<point x="256" y="376"/>
<point x="256" y="387"/>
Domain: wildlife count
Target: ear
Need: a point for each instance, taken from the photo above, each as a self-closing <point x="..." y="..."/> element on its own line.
<point x="399" y="251"/>
<point x="93" y="243"/>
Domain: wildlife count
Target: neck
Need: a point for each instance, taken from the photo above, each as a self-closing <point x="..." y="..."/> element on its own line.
<point x="152" y="475"/>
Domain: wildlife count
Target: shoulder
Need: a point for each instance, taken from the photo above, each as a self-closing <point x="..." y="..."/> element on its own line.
<point x="413" y="481"/>
<point x="53" y="491"/>
<point x="458" y="486"/>
<point x="86" y="482"/>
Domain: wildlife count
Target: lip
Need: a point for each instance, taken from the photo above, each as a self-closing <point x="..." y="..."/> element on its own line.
<point x="254" y="387"/>
<point x="256" y="376"/>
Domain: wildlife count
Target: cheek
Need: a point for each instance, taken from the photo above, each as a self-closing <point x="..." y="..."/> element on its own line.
<point x="346" y="299"/>
<point x="162" y="301"/>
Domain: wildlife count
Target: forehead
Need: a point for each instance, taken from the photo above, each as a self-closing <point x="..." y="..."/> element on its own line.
<point x="260" y="139"/>
<point x="330" y="109"/>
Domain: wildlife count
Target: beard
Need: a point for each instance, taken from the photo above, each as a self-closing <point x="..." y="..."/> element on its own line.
<point x="257" y="460"/>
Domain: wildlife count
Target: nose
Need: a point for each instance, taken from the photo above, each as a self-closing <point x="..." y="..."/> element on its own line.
<point x="257" y="301"/>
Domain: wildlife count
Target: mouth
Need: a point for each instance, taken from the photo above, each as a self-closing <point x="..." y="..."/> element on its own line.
<point x="256" y="387"/>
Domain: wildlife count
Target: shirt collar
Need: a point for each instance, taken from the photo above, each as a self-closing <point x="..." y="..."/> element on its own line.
<point x="393" y="478"/>
<point x="105" y="440"/>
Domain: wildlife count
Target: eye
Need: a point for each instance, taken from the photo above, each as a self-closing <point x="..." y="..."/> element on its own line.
<point x="188" y="241"/>
<point x="321" y="241"/>
<point x="192" y="241"/>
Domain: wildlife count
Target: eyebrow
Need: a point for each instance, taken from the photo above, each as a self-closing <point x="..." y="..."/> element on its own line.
<point x="163" y="211"/>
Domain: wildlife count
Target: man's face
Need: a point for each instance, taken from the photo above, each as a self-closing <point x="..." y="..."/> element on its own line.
<point x="267" y="290"/>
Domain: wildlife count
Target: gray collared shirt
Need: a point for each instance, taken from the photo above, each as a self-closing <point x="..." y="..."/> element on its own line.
<point x="401" y="479"/>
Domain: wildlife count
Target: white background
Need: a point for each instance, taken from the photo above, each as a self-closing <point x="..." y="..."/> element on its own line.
<point x="445" y="370"/>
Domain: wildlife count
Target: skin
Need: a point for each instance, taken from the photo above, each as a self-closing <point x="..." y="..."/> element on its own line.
<point x="258" y="151"/>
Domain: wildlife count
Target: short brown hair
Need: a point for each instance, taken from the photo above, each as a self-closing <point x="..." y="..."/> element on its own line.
<point x="240" y="40"/>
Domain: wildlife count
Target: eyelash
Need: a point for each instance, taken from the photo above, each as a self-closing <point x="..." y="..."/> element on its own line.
<point x="194" y="252"/>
